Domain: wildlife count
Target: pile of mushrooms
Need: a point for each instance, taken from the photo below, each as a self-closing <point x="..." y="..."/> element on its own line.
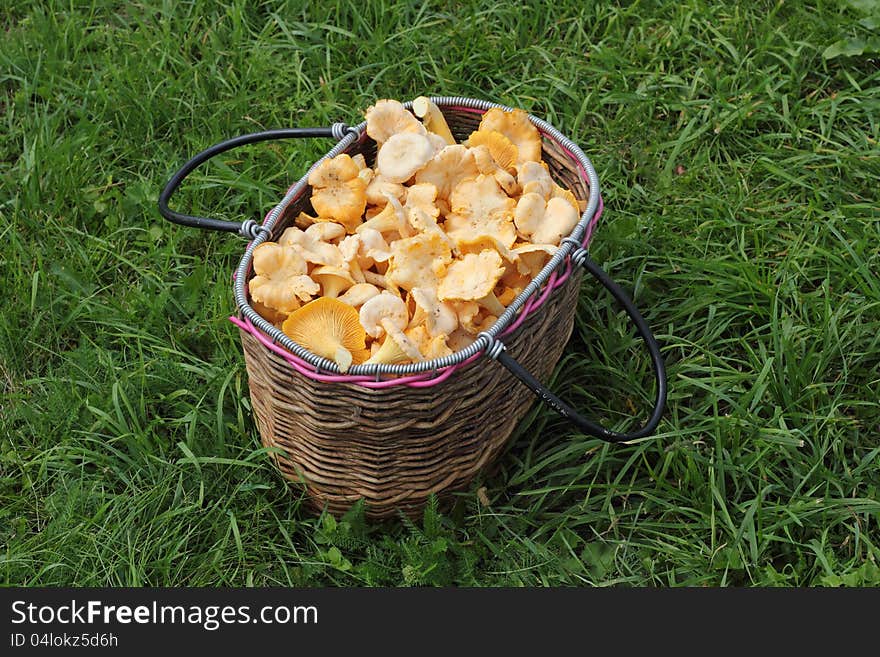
<point x="411" y="259"/>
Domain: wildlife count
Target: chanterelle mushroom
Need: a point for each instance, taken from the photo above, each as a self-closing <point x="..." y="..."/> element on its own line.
<point x="472" y="278"/>
<point x="311" y="249"/>
<point x="448" y="168"/>
<point x="329" y="328"/>
<point x="358" y="294"/>
<point x="389" y="117"/>
<point x="281" y="281"/>
<point x="418" y="261"/>
<point x="544" y="222"/>
<point x="438" y="317"/>
<point x="381" y="307"/>
<point x="480" y="208"/>
<point x="338" y="192"/>
<point x="396" y="348"/>
<point x="503" y="151"/>
<point x="516" y="126"/>
<point x="333" y="280"/>
<point x="402" y="155"/>
<point x="432" y="118"/>
<point x="534" y="177"/>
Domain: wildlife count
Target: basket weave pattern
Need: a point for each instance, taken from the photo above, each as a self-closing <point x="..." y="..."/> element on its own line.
<point x="396" y="446"/>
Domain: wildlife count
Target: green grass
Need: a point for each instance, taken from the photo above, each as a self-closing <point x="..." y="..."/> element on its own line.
<point x="741" y="173"/>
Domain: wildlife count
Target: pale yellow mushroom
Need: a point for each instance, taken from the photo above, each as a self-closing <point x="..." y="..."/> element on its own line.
<point x="481" y="208"/>
<point x="380" y="280"/>
<point x="396" y="347"/>
<point x="503" y="152"/>
<point x="374" y="246"/>
<point x="418" y="261"/>
<point x="430" y="346"/>
<point x="466" y="311"/>
<point x="487" y="166"/>
<point x="380" y="189"/>
<point x="333" y="280"/>
<point x="338" y="193"/>
<point x="330" y="329"/>
<point x="447" y="169"/>
<point x="432" y="118"/>
<point x="565" y="194"/>
<point x="516" y="126"/>
<point x="460" y="339"/>
<point x="358" y="294"/>
<point x="533" y="257"/>
<point x="472" y="278"/>
<point x="281" y="279"/>
<point x="383" y="306"/>
<point x="271" y="315"/>
<point x="311" y="249"/>
<point x="544" y="222"/>
<point x="438" y="317"/>
<point x="391" y="220"/>
<point x="402" y="156"/>
<point x="325" y="231"/>
<point x="389" y="117"/>
<point x="304" y="220"/>
<point x="534" y="177"/>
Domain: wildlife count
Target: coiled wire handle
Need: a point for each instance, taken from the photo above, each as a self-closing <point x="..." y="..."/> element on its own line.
<point x="248" y="228"/>
<point x="581" y="257"/>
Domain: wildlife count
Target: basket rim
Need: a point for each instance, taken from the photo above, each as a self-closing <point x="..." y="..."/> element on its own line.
<point x="485" y="340"/>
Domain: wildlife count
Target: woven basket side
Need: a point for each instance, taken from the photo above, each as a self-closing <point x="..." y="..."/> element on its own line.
<point x="395" y="446"/>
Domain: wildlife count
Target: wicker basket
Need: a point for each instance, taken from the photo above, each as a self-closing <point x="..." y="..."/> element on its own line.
<point x="395" y="446"/>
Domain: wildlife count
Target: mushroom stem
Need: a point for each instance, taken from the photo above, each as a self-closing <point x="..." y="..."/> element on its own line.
<point x="343" y="358"/>
<point x="491" y="303"/>
<point x="432" y="118"/>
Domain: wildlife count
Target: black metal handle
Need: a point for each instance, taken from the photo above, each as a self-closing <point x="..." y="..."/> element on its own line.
<point x="204" y="156"/>
<point x="580" y="257"/>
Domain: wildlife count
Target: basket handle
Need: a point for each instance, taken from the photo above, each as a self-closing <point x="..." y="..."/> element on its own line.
<point x="247" y="228"/>
<point x="580" y="257"/>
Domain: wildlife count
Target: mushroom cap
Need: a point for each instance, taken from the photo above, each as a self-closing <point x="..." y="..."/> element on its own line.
<point x="311" y="249"/>
<point x="402" y="155"/>
<point x="389" y="117"/>
<point x="430" y="346"/>
<point x="325" y="231"/>
<point x="396" y="347"/>
<point x="448" y="168"/>
<point x="328" y="328"/>
<point x="392" y="219"/>
<point x="459" y="339"/>
<point x="534" y="177"/>
<point x="358" y="294"/>
<point x="544" y="222"/>
<point x="533" y="257"/>
<point x="501" y="149"/>
<point x="380" y="189"/>
<point x="418" y="261"/>
<point x="467" y="312"/>
<point x="381" y="307"/>
<point x="333" y="280"/>
<point x="373" y="245"/>
<point x="440" y="317"/>
<point x="338" y="192"/>
<point x="516" y="126"/>
<point x="271" y="315"/>
<point x="472" y="277"/>
<point x="280" y="280"/>
<point x="422" y="196"/>
<point x="480" y="198"/>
